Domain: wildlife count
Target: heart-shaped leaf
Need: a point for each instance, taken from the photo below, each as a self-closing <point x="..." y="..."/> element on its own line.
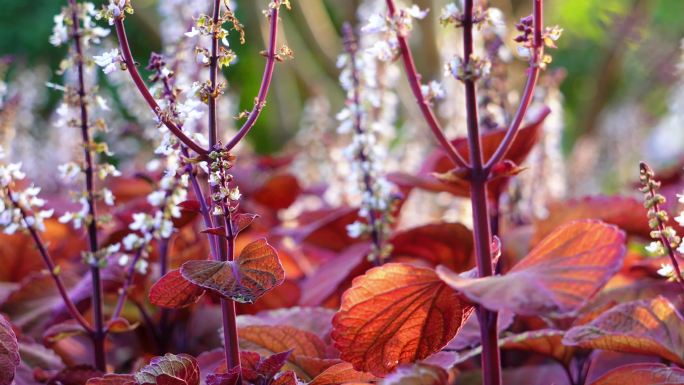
<point x="640" y="327"/>
<point x="256" y="271"/>
<point x="556" y="278"/>
<point x="170" y="369"/>
<point x="396" y="314"/>
<point x="174" y="292"/>
<point x="642" y="374"/>
<point x="9" y="352"/>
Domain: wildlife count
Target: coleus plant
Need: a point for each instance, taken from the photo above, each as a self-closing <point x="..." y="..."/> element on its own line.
<point x="343" y="295"/>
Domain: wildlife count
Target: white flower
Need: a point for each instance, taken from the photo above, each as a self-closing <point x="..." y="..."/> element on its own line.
<point x="666" y="270"/>
<point x="106" y="169"/>
<point x="680" y="218"/>
<point x="156" y="198"/>
<point x="141" y="221"/>
<point x="10" y="172"/>
<point x="107" y="196"/>
<point x="655" y="248"/>
<point x="193" y="32"/>
<point x="524" y="52"/>
<point x="141" y="266"/>
<point x="108" y="60"/>
<point x="131" y="241"/>
<point x="355" y="229"/>
<point x="123" y="260"/>
<point x="416" y="12"/>
<point x="234" y="194"/>
<point x="433" y="90"/>
<point x="376" y="23"/>
<point x="450" y="11"/>
<point x="680" y="198"/>
<point x="59" y="31"/>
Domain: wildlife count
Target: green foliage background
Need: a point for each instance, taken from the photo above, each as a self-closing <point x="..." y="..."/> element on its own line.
<point x="612" y="50"/>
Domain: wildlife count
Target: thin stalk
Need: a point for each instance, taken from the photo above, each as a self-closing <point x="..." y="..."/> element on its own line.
<point x="491" y="360"/>
<point x="528" y="92"/>
<point x="145" y="92"/>
<point x="226" y="247"/>
<point x="351" y="47"/>
<point x="415" y="83"/>
<point x="98" y="333"/>
<point x="52" y="268"/>
<point x="265" y="82"/>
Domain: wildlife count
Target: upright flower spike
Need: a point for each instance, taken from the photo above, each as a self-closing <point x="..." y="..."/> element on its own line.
<point x="665" y="237"/>
<point x="364" y="153"/>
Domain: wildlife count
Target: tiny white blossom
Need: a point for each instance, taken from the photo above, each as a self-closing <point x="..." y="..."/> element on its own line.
<point x="416" y="12"/>
<point x="234" y="194"/>
<point x="355" y="229"/>
<point x="108" y="60"/>
<point x="376" y="23"/>
<point x="123" y="260"/>
<point x="107" y="196"/>
<point x="666" y="270"/>
<point x="131" y="241"/>
<point x="193" y="32"/>
<point x="655" y="248"/>
<point x="156" y="198"/>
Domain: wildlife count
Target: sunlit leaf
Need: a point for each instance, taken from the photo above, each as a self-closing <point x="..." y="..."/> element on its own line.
<point x="342" y="373"/>
<point x="642" y="374"/>
<point x="448" y="244"/>
<point x="556" y="278"/>
<point x="316" y="320"/>
<point x="396" y="314"/>
<point x="173" y="291"/>
<point x="309" y="357"/>
<point x="255" y="271"/>
<point x="640" y="327"/>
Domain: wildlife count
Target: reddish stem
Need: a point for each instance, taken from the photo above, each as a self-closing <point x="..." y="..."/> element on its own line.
<point x="52" y="268"/>
<point x="414" y="82"/>
<point x="528" y="92"/>
<point x="98" y="333"/>
<point x="145" y="92"/>
<point x="265" y="82"/>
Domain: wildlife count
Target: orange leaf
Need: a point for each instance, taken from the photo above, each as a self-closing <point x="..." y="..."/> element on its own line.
<point x="640" y="327"/>
<point x="279" y="192"/>
<point x="449" y="244"/>
<point x="556" y="278"/>
<point x="342" y="373"/>
<point x="173" y="291"/>
<point x="396" y="314"/>
<point x="642" y="374"/>
<point x="256" y="271"/>
<point x="628" y="214"/>
<point x="309" y="355"/>
<point x="66" y="329"/>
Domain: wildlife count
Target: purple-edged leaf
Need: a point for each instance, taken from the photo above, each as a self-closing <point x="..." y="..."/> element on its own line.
<point x="256" y="271"/>
<point x="242" y="221"/>
<point x="556" y="278"/>
<point x="170" y="369"/>
<point x="74" y="375"/>
<point x="9" y="352"/>
<point x="112" y="379"/>
<point x="642" y="374"/>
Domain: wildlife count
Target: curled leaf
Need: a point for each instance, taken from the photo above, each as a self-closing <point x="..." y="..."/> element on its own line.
<point x="641" y="327"/>
<point x="173" y="291"/>
<point x="417" y="374"/>
<point x="556" y="278"/>
<point x="396" y="314"/>
<point x="342" y="373"/>
<point x="256" y="271"/>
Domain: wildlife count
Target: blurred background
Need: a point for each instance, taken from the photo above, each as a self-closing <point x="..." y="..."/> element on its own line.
<point x="617" y="67"/>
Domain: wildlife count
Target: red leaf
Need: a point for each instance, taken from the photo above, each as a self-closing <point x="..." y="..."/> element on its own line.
<point x="396" y="314"/>
<point x="642" y="374"/>
<point x="556" y="278"/>
<point x="112" y="379"/>
<point x="279" y="192"/>
<point x="120" y="325"/>
<point x="173" y="291"/>
<point x="190" y="205"/>
<point x="220" y="231"/>
<point x="449" y="244"/>
<point x="66" y="329"/>
<point x="242" y="221"/>
<point x="316" y="320"/>
<point x="9" y="352"/>
<point x="640" y="327"/>
<point x="229" y="378"/>
<point x="170" y="369"/>
<point x="326" y="228"/>
<point x="342" y="373"/>
<point x="75" y="375"/>
<point x="628" y="214"/>
<point x="286" y="378"/>
<point x="309" y="356"/>
<point x="256" y="271"/>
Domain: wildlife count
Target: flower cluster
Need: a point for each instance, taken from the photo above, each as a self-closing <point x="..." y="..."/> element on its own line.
<point x="205" y="26"/>
<point x="19" y="209"/>
<point x="665" y="238"/>
<point x="90" y="33"/>
<point x="526" y="48"/>
<point x="452" y="15"/>
<point x="114" y="10"/>
<point x="386" y="47"/>
<point x="364" y="153"/>
<point x="224" y="197"/>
